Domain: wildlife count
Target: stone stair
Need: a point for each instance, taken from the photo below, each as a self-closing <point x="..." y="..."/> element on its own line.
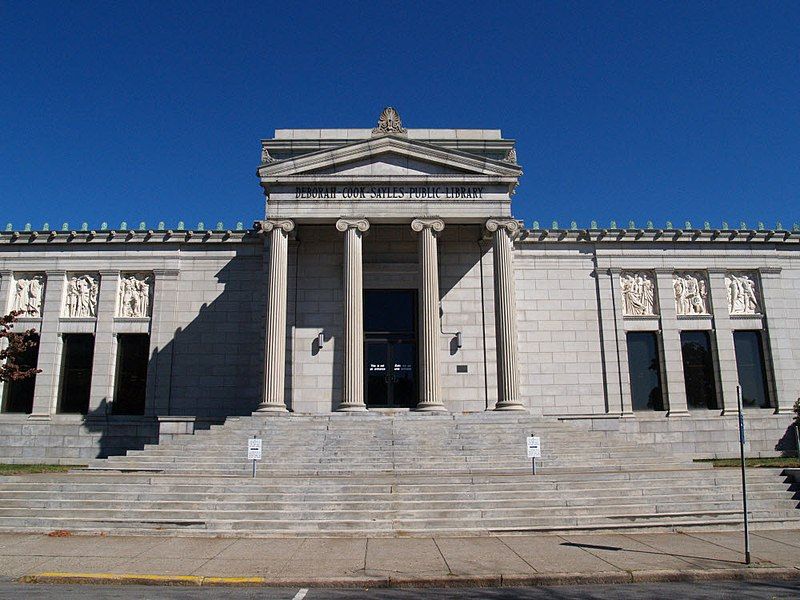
<point x="389" y="475"/>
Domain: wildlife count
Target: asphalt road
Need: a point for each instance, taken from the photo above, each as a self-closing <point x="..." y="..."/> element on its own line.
<point x="671" y="591"/>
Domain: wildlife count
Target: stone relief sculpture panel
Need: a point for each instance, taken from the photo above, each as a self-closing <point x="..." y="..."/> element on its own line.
<point x="81" y="298"/>
<point x="28" y="294"/>
<point x="743" y="294"/>
<point x="691" y="293"/>
<point x="638" y="294"/>
<point x="134" y="295"/>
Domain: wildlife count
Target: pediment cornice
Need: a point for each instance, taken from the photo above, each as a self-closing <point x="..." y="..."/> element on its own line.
<point x="463" y="165"/>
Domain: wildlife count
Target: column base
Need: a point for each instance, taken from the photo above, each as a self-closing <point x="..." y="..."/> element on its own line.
<point x="352" y="408"/>
<point x="678" y="413"/>
<point x="39" y="417"/>
<point x="271" y="408"/>
<point x="510" y="405"/>
<point x="430" y="407"/>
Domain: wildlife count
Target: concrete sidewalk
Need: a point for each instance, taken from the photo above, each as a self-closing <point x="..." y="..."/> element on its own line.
<point x="381" y="562"/>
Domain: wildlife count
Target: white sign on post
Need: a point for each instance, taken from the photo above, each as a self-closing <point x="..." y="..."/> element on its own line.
<point x="534" y="447"/>
<point x="254" y="449"/>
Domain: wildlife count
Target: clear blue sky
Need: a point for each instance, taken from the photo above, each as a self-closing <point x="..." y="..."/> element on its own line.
<point x="133" y="111"/>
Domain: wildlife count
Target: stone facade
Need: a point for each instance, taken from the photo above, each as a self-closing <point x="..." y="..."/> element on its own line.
<point x="270" y="318"/>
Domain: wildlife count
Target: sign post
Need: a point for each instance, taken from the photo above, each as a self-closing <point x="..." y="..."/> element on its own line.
<point x="534" y="451"/>
<point x="254" y="451"/>
<point x="742" y="442"/>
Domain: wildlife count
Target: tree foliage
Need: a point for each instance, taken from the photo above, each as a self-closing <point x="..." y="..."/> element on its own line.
<point x="13" y="346"/>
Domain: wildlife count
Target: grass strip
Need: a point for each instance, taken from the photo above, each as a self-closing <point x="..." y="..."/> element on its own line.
<point x="8" y="469"/>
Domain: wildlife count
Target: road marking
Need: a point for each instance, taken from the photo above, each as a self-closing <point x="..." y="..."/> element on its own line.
<point x="300" y="594"/>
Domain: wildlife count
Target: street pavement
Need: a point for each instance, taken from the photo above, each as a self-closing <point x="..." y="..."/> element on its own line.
<point x="437" y="562"/>
<point x="741" y="590"/>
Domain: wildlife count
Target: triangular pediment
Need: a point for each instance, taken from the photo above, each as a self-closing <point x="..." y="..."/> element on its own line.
<point x="388" y="156"/>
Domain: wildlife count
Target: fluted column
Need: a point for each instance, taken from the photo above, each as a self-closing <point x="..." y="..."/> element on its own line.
<point x="505" y="320"/>
<point x="353" y="393"/>
<point x="275" y="341"/>
<point x="429" y="386"/>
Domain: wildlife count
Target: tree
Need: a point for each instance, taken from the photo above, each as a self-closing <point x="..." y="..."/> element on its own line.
<point x="13" y="346"/>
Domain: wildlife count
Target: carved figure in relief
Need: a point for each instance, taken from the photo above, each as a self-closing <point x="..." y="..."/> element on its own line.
<point x="82" y="296"/>
<point x="691" y="294"/>
<point x="28" y="295"/>
<point x="134" y="296"/>
<point x="742" y="294"/>
<point x="638" y="294"/>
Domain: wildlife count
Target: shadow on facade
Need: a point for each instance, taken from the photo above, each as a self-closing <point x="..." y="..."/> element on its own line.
<point x="211" y="368"/>
<point x="787" y="445"/>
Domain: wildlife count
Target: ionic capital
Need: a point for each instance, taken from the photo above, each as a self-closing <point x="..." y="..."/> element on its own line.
<point x="268" y="225"/>
<point x="511" y="226"/>
<point x="344" y="224"/>
<point x="434" y="224"/>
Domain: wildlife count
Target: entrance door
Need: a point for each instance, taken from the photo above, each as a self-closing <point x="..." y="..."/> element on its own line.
<point x="390" y="348"/>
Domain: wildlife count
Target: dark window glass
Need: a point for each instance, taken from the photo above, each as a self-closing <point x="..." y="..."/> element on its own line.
<point x="645" y="370"/>
<point x="76" y="372"/>
<point x="698" y="369"/>
<point x="132" y="357"/>
<point x="751" y="368"/>
<point x="19" y="394"/>
<point x="389" y="311"/>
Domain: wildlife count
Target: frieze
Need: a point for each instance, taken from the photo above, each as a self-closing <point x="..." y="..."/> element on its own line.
<point x="135" y="291"/>
<point x="81" y="297"/>
<point x="638" y="293"/>
<point x="691" y="293"/>
<point x="743" y="293"/>
<point x="28" y="294"/>
<point x="388" y="192"/>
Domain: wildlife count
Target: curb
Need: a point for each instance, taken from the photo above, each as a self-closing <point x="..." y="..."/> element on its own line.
<point x="459" y="581"/>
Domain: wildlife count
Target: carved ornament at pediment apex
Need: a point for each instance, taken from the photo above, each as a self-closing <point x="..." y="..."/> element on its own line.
<point x="389" y="122"/>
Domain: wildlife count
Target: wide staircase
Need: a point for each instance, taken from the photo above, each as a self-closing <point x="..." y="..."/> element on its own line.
<point x="393" y="475"/>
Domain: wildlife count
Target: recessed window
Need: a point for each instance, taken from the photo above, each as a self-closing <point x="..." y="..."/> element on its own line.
<point x="645" y="371"/>
<point x="76" y="372"/>
<point x="698" y="370"/>
<point x="131" y="380"/>
<point x="19" y="393"/>
<point x="751" y="368"/>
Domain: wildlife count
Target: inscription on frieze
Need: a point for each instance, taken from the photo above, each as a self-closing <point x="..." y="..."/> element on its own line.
<point x="443" y="192"/>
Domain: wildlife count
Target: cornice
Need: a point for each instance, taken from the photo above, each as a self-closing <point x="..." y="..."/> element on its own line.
<point x="380" y="145"/>
<point x="82" y="238"/>
<point x="670" y="236"/>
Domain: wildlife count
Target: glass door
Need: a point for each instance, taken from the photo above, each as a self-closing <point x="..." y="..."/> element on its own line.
<point x="390" y="348"/>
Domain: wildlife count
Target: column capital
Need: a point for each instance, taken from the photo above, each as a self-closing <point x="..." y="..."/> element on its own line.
<point x="433" y="223"/>
<point x="166" y="273"/>
<point x="512" y="227"/>
<point x="769" y="271"/>
<point x="346" y="223"/>
<point x="269" y="224"/>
